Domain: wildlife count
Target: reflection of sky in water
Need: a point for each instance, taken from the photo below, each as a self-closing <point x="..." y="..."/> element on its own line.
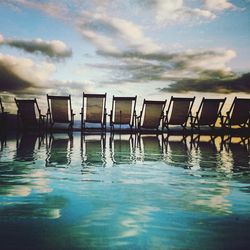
<point x="124" y="192"/>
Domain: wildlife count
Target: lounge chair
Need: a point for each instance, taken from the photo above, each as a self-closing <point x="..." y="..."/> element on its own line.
<point x="208" y="113"/>
<point x="3" y="116"/>
<point x="29" y="114"/>
<point x="180" y="111"/>
<point x="151" y="116"/>
<point x="93" y="110"/>
<point x="60" y="111"/>
<point x="123" y="113"/>
<point x="238" y="114"/>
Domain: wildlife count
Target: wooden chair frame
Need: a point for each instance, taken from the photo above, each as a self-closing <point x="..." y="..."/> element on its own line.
<point x="50" y="115"/>
<point x="104" y="111"/>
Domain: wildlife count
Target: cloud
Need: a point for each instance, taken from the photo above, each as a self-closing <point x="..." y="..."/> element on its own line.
<point x="53" y="8"/>
<point x="99" y="28"/>
<point x="54" y="48"/>
<point x="218" y="5"/>
<point x="171" y="11"/>
<point x="18" y="74"/>
<point x="163" y="66"/>
<point x="225" y="86"/>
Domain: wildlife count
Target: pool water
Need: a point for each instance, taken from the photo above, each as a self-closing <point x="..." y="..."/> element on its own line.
<point x="65" y="191"/>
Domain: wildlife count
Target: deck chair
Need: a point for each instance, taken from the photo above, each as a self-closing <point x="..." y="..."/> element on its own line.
<point x="93" y="151"/>
<point x="93" y="110"/>
<point x="29" y="114"/>
<point x="238" y="114"/>
<point x="178" y="112"/>
<point x="208" y="113"/>
<point x="123" y="113"/>
<point x="151" y="116"/>
<point x="60" y="111"/>
<point x="3" y="115"/>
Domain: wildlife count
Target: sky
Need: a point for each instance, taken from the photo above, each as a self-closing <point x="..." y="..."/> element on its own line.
<point x="149" y="48"/>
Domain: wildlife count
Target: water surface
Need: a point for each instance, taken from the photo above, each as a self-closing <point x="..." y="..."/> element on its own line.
<point x="124" y="192"/>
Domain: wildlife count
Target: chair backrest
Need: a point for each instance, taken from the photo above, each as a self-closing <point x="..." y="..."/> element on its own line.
<point x="181" y="108"/>
<point x="239" y="111"/>
<point x="123" y="110"/>
<point x="152" y="114"/>
<point x="209" y="110"/>
<point x="94" y="106"/>
<point x="28" y="111"/>
<point x="60" y="108"/>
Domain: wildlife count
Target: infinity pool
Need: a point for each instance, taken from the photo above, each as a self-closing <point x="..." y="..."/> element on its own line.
<point x="124" y="192"/>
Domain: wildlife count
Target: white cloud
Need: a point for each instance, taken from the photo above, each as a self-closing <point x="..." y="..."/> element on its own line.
<point x="101" y="42"/>
<point x="218" y="5"/>
<point x="170" y="11"/>
<point x="99" y="28"/>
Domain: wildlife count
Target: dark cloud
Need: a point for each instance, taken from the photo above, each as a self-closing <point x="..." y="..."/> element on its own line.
<point x="53" y="49"/>
<point x="225" y="86"/>
<point x="10" y="81"/>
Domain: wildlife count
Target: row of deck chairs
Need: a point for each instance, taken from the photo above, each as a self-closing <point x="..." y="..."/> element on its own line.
<point x="123" y="113"/>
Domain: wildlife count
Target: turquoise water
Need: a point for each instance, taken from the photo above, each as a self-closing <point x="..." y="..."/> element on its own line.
<point x="122" y="192"/>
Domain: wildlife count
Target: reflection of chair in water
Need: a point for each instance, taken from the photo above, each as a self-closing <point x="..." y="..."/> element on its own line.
<point x="3" y="140"/>
<point x="60" y="111"/>
<point x="122" y="148"/>
<point x="151" y="116"/>
<point x="178" y="152"/>
<point x="26" y="146"/>
<point x="93" y="150"/>
<point x="180" y="111"/>
<point x="3" y="116"/>
<point x="238" y="114"/>
<point x="151" y="147"/>
<point x="207" y="151"/>
<point x="123" y="114"/>
<point x="239" y="150"/>
<point x="208" y="113"/>
<point x="28" y="114"/>
<point x="93" y="110"/>
<point x="59" y="149"/>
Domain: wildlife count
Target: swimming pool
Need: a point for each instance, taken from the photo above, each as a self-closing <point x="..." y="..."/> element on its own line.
<point x="124" y="192"/>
